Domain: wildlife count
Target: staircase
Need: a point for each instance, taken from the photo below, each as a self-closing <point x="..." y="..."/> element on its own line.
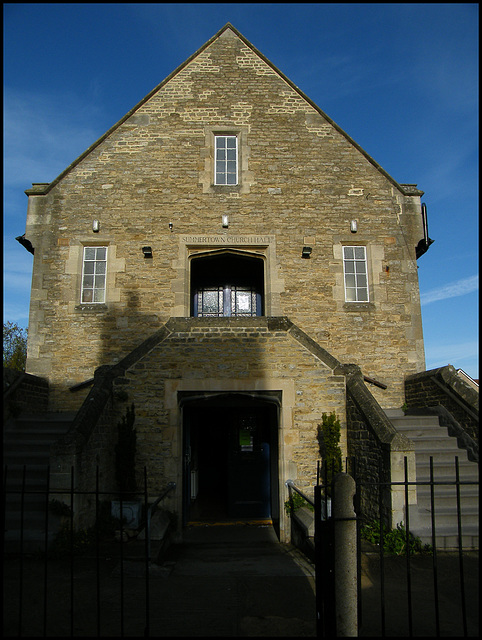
<point x="26" y="442"/>
<point x="430" y="439"/>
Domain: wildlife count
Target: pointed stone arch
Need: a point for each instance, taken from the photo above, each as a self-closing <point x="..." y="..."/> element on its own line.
<point x="257" y="252"/>
<point x="227" y="282"/>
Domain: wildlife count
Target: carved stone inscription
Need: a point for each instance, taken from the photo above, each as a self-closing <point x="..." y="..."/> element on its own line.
<point x="225" y="240"/>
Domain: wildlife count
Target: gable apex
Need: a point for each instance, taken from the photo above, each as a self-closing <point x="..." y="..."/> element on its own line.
<point x="228" y="30"/>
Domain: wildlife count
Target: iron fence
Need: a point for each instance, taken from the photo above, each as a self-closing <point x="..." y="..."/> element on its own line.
<point x="428" y="604"/>
<point x="61" y="591"/>
<point x="57" y="576"/>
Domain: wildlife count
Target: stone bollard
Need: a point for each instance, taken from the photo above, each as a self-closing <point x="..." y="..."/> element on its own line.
<point x="346" y="594"/>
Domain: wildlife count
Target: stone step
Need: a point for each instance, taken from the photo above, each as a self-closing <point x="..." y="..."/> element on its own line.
<point x="445" y="457"/>
<point x="32" y="518"/>
<point x="412" y="431"/>
<point x="448" y="513"/>
<point x="432" y="440"/>
<point x="469" y="494"/>
<point x="423" y="527"/>
<point x="15" y="460"/>
<point x="448" y="539"/>
<point x="25" y="432"/>
<point x="427" y="442"/>
<point x="415" y="422"/>
<point x="28" y="439"/>
<point x="35" y="475"/>
<point x="28" y="540"/>
<point x="443" y="503"/>
<point x="394" y="413"/>
<point x="47" y="417"/>
<point x="27" y="442"/>
<point x="16" y="446"/>
<point x="41" y="420"/>
<point x="444" y="470"/>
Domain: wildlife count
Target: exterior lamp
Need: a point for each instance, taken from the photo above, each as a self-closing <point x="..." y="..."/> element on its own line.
<point x="306" y="253"/>
<point x="225" y="222"/>
<point x="353" y="226"/>
<point x="147" y="251"/>
<point x="95" y="226"/>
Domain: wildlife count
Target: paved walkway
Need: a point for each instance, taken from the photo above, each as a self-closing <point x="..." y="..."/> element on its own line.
<point x="225" y="581"/>
<point x="222" y="581"/>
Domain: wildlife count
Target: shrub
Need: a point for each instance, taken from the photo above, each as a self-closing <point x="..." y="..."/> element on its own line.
<point x="394" y="540"/>
<point x="329" y="432"/>
<point x="66" y="541"/>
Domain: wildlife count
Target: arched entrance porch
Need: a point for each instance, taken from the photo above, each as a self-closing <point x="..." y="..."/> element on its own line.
<point x="230" y="457"/>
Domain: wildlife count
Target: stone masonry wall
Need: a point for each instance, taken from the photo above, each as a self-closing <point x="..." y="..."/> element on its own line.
<point x="302" y="181"/>
<point x="26" y="393"/>
<point x="445" y="388"/>
<point x="260" y="360"/>
<point x="88" y="448"/>
<point x="368" y="455"/>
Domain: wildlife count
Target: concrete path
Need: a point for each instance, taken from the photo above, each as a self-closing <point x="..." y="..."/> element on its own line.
<point x="222" y="581"/>
<point x="231" y="581"/>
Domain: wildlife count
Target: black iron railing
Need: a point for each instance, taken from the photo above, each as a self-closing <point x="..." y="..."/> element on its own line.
<point x="433" y="609"/>
<point x="33" y="554"/>
<point x="432" y="550"/>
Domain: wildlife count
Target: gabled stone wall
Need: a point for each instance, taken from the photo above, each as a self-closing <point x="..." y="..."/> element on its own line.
<point x="149" y="182"/>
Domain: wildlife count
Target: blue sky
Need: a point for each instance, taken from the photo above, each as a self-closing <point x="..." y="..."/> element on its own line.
<point x="400" y="79"/>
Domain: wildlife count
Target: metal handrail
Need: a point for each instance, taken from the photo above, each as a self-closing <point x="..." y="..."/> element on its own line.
<point x="291" y="485"/>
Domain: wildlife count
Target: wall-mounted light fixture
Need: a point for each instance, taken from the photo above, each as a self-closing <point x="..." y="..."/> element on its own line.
<point x="171" y="226"/>
<point x="147" y="251"/>
<point x="225" y="221"/>
<point x="95" y="226"/>
<point x="353" y="226"/>
<point x="306" y="252"/>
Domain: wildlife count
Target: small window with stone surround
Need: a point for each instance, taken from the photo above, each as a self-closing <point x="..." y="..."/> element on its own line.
<point x="226" y="162"/>
<point x="225" y="156"/>
<point x="355" y="274"/>
<point x="94" y="270"/>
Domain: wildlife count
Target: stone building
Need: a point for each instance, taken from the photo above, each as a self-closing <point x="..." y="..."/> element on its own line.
<point x="221" y="258"/>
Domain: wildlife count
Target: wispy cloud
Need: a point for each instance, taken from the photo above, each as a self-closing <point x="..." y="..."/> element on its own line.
<point x="451" y="290"/>
<point x="463" y="355"/>
<point x="44" y="134"/>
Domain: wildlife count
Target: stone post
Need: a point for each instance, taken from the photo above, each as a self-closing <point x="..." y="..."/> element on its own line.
<point x="345" y="556"/>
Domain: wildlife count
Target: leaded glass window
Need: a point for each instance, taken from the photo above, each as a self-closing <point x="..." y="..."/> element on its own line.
<point x="227" y="300"/>
<point x="243" y="301"/>
<point x="210" y="302"/>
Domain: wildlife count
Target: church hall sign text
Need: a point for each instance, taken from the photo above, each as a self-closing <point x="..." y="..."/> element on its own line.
<point x="225" y="240"/>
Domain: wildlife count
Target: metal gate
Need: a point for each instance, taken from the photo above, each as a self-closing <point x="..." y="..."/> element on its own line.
<point x="432" y="593"/>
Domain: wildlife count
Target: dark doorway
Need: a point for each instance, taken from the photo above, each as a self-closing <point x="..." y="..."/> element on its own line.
<point x="230" y="459"/>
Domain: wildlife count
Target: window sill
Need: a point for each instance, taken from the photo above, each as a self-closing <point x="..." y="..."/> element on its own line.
<point x="359" y="306"/>
<point x="226" y="188"/>
<point x="91" y="308"/>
